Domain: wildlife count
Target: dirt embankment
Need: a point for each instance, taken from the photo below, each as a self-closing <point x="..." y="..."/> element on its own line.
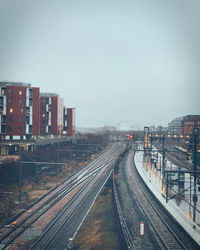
<point x="98" y="230"/>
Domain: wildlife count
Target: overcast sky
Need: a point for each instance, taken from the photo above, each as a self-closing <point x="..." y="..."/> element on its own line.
<point x="128" y="60"/>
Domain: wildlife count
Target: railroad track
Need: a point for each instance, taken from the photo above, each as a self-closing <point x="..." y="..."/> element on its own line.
<point x="53" y="236"/>
<point x="69" y="212"/>
<point x="122" y="220"/>
<point x="167" y="233"/>
<point x="72" y="186"/>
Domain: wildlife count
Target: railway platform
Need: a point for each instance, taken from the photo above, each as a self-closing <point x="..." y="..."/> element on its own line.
<point x="179" y="202"/>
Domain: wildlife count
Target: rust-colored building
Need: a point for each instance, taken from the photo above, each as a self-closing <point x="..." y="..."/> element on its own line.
<point x="69" y="121"/>
<point x="51" y="114"/>
<point x="188" y="123"/>
<point x="19" y="111"/>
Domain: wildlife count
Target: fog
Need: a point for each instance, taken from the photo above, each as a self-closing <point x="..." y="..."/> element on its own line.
<point x="135" y="61"/>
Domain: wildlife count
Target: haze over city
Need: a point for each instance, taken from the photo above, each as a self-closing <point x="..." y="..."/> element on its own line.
<point x="135" y="61"/>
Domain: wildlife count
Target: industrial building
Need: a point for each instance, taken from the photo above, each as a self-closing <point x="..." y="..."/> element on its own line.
<point x="19" y="111"/>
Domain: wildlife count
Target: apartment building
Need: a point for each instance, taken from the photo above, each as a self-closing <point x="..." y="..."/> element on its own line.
<point x="69" y="121"/>
<point x="19" y="111"/>
<point x="51" y="114"/>
<point x="188" y="123"/>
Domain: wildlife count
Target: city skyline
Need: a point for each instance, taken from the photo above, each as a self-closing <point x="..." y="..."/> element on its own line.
<point x="113" y="61"/>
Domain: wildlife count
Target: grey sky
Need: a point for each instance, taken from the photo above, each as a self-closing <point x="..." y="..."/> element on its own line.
<point x="135" y="60"/>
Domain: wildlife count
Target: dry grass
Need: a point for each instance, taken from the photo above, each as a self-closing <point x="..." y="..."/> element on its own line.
<point x="31" y="191"/>
<point x="98" y="230"/>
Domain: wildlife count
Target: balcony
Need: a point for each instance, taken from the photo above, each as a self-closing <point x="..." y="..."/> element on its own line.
<point x="3" y="119"/>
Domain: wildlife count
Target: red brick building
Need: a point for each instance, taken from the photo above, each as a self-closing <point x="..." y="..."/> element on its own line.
<point x="188" y="123"/>
<point x="69" y="121"/>
<point x="19" y="111"/>
<point x="51" y="114"/>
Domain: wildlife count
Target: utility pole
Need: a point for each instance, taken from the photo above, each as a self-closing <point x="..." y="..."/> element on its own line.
<point x="58" y="154"/>
<point x="20" y="174"/>
<point x="195" y="135"/>
<point x="163" y="153"/>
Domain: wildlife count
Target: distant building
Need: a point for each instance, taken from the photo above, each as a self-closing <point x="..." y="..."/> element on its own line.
<point x="152" y="128"/>
<point x="69" y="121"/>
<point x="19" y="111"/>
<point x="175" y="125"/>
<point x="188" y="123"/>
<point x="110" y="128"/>
<point x="51" y="114"/>
<point x="123" y="126"/>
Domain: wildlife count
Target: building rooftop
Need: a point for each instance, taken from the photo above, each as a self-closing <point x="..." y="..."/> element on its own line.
<point x="191" y="117"/>
<point x="14" y="84"/>
<point x="48" y="94"/>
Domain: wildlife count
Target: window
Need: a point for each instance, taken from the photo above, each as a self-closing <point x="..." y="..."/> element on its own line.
<point x="20" y="128"/>
<point x="1" y="110"/>
<point x="22" y="110"/>
<point x="49" y="129"/>
<point x="30" y="102"/>
<point x="20" y="92"/>
<point x="20" y="119"/>
<point x="11" y="110"/>
<point x="30" y="93"/>
<point x="20" y="101"/>
<point x="11" y="119"/>
<point x="27" y="119"/>
<point x="9" y="128"/>
<point x="43" y="115"/>
<point x="3" y="119"/>
<point x="1" y="100"/>
<point x="9" y="91"/>
<point x="30" y="129"/>
<point x="3" y="128"/>
<point x="3" y="91"/>
<point x="27" y="111"/>
<point x="9" y="100"/>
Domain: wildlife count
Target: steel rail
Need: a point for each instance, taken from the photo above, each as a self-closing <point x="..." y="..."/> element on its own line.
<point x="125" y="230"/>
<point x="23" y="228"/>
<point x="74" y="175"/>
<point x="61" y="193"/>
<point x="177" y="244"/>
<point x="93" y="183"/>
<point x="49" y="227"/>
